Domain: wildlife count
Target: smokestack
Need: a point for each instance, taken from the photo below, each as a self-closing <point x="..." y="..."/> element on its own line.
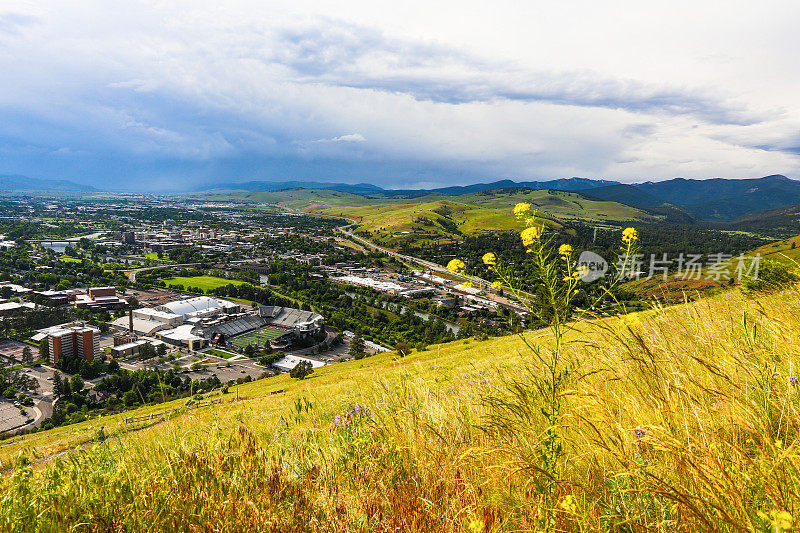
<point x="130" y="320"/>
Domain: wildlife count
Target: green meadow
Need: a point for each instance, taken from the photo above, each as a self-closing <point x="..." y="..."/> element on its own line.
<point x="203" y="282"/>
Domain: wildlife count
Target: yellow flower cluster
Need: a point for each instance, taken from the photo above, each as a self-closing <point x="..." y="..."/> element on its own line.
<point x="531" y="235"/>
<point x="496" y="285"/>
<point x="568" y="504"/>
<point x="565" y="250"/>
<point x="521" y="209"/>
<point x="781" y="521"/>
<point x="456" y="265"/>
<point x="466" y="285"/>
<point x="489" y="259"/>
<point x="629" y="235"/>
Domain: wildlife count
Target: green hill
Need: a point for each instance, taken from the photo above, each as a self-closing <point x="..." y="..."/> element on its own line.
<point x="438" y="217"/>
<point x="432" y="218"/>
<point x="680" y="419"/>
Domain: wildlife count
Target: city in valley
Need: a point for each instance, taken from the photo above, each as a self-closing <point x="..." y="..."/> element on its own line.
<point x="101" y="295"/>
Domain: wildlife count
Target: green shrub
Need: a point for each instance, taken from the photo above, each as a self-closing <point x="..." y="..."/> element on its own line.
<point x="772" y="276"/>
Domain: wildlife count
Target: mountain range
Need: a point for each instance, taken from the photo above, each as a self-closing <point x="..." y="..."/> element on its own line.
<point x="716" y="199"/>
<point x="369" y="190"/>
<point x="680" y="199"/>
<point x="14" y="183"/>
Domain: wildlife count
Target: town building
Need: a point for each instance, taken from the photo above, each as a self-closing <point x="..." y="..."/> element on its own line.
<point x="73" y="340"/>
<point x="132" y="348"/>
<point x="11" y="308"/>
<point x="99" y="299"/>
<point x="199" y="307"/>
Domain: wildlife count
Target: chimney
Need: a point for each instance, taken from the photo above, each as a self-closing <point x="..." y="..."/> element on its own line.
<point x="130" y="321"/>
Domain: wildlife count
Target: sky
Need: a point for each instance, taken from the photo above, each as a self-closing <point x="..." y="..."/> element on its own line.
<point x="157" y="95"/>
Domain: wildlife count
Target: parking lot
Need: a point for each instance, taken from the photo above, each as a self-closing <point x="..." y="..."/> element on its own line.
<point x="10" y="416"/>
<point x="11" y="350"/>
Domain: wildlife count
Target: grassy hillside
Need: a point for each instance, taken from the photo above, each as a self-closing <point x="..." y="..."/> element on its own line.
<point x="785" y="251"/>
<point x="678" y="419"/>
<point x="300" y="199"/>
<point x="438" y="216"/>
<point x="431" y="218"/>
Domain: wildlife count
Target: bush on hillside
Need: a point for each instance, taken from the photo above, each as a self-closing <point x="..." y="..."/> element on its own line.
<point x="772" y="276"/>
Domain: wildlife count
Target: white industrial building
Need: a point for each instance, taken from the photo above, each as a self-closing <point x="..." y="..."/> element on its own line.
<point x="198" y="307"/>
<point x="287" y="363"/>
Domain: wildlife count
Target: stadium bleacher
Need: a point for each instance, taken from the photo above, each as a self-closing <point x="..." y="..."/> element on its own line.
<point x="239" y="326"/>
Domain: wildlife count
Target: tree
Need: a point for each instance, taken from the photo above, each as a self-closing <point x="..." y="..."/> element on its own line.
<point x="249" y="350"/>
<point x="302" y="370"/>
<point x="403" y="349"/>
<point x="27" y="355"/>
<point x="130" y="398"/>
<point x="357" y="347"/>
<point x="146" y="351"/>
<point x="76" y="383"/>
<point x="44" y="350"/>
<point x="58" y="386"/>
<point x="771" y="276"/>
<point x="162" y="350"/>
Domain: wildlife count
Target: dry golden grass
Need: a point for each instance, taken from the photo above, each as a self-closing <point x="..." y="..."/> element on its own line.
<point x="676" y="419"/>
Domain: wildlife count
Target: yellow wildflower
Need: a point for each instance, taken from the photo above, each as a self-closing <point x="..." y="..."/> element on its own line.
<point x="489" y="259"/>
<point x="529" y="235"/>
<point x="496" y="285"/>
<point x="476" y="526"/>
<point x="629" y="321"/>
<point x="780" y="520"/>
<point x="466" y="285"/>
<point x="629" y="235"/>
<point x="521" y="209"/>
<point x="456" y="265"/>
<point x="564" y="250"/>
<point x="568" y="504"/>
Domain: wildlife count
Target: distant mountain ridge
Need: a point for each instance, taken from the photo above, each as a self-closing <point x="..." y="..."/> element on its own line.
<point x="564" y="184"/>
<point x="272" y="186"/>
<point x="679" y="199"/>
<point x="716" y="199"/>
<point x="14" y="182"/>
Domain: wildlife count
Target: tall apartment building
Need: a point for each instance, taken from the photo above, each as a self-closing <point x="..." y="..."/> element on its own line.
<point x="74" y="340"/>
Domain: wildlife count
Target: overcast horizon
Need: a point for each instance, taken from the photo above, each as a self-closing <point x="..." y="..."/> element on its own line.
<point x="163" y="96"/>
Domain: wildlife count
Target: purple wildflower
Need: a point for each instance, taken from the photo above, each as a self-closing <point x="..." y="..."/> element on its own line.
<point x="367" y="412"/>
<point x="793" y="381"/>
<point x="337" y="421"/>
<point x="639" y="432"/>
<point x="356" y="408"/>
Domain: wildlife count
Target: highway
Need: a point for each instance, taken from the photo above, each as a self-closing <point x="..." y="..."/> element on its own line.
<point x="478" y="282"/>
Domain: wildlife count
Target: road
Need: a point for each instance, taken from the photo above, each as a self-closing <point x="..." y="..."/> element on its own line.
<point x="132" y="273"/>
<point x="478" y="282"/>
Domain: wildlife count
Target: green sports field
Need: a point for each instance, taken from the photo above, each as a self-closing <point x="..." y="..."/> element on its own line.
<point x="204" y="282"/>
<point x="258" y="337"/>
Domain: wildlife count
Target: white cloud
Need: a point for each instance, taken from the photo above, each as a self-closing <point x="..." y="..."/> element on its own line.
<point x="349" y="138"/>
<point x="467" y="91"/>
